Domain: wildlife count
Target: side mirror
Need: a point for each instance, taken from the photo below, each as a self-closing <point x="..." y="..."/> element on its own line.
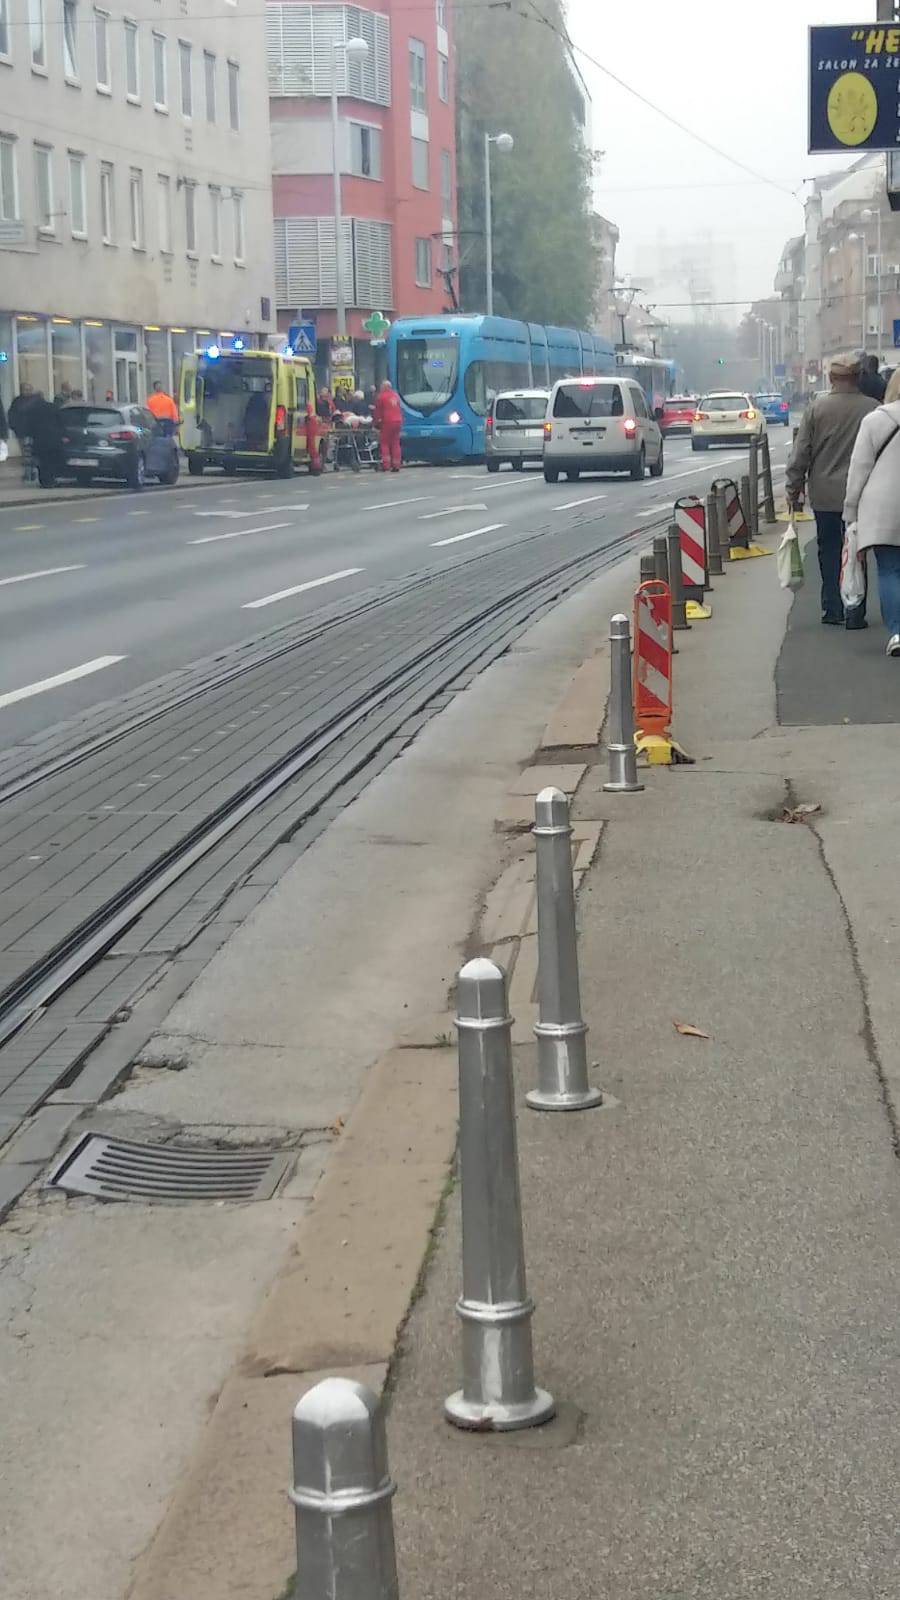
<point x="658" y="413"/>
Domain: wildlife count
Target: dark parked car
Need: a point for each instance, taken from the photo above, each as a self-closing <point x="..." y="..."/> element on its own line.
<point x="124" y="442"/>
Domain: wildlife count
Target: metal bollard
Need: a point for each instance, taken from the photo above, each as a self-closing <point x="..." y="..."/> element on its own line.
<point x="676" y="580"/>
<point x="561" y="1034"/>
<point x="342" y="1495"/>
<point x="498" y="1391"/>
<point x="722" y="525"/>
<point x="661" y="557"/>
<point x="623" y="778"/>
<point x="768" y="486"/>
<point x="745" y="503"/>
<point x="648" y="566"/>
<point x="713" y="547"/>
<point x="754" y="488"/>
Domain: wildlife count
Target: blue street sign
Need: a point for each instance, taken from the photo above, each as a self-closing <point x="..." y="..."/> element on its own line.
<point x="303" y="339"/>
<point x="897" y="333"/>
<point x="854" y="74"/>
<point x="779" y="369"/>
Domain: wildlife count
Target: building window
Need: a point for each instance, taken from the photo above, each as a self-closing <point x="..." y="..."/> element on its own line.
<point x="444" y="78"/>
<point x="423" y="263"/>
<point x="872" y="264"/>
<point x="4" y="28"/>
<point x="136" y="207"/>
<point x="164" y="212"/>
<point x="237" y="201"/>
<point x="77" y="200"/>
<point x="43" y="188"/>
<point x="9" y="182"/>
<point x="446" y="182"/>
<point x="187" y="88"/>
<point x="441" y="8"/>
<point x="420" y="163"/>
<point x="417" y="92"/>
<point x="234" y="95"/>
<point x="132" y="62"/>
<point x="365" y="150"/>
<point x="70" y="40"/>
<point x="215" y="222"/>
<point x="160" y="86"/>
<point x="37" y="35"/>
<point x="107" y="202"/>
<point x="190" y="218"/>
<point x="209" y="79"/>
<point x="101" y="48"/>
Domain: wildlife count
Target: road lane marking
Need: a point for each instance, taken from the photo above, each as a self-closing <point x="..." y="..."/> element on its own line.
<point x="388" y="505"/>
<point x="58" y="679"/>
<point x="240" y="533"/>
<point x="49" y="572"/>
<point x="723" y="461"/>
<point x="139" y="513"/>
<point x="450" y="511"/>
<point x="30" y="527"/>
<point x="301" y="588"/>
<point x="86" y="519"/>
<point x="266" y="511"/>
<point x="586" y="500"/>
<point x="492" y="527"/>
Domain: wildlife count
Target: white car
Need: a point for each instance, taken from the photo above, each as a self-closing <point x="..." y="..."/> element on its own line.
<point x="729" y="418"/>
<point x="600" y="425"/>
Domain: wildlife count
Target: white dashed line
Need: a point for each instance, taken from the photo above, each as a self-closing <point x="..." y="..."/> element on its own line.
<point x="49" y="572"/>
<point x="451" y="511"/>
<point x="586" y="500"/>
<point x="388" y="505"/>
<point x="301" y="588"/>
<point x="239" y="533"/>
<point x="458" y="538"/>
<point x="59" y="679"/>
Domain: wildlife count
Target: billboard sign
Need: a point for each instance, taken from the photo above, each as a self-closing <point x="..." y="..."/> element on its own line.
<point x="854" y="87"/>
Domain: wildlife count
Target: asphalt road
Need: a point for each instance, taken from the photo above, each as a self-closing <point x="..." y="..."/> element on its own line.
<point x="102" y="595"/>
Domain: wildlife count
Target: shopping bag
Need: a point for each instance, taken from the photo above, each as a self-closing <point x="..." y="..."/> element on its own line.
<point x="853" y="574"/>
<point x="789" y="559"/>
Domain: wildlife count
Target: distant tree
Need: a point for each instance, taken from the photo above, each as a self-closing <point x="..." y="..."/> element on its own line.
<point x="513" y="77"/>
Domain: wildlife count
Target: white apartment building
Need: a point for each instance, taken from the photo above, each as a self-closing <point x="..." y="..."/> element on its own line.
<point x="135" y="190"/>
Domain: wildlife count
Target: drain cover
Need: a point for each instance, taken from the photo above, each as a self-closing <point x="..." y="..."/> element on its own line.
<point x="118" y="1169"/>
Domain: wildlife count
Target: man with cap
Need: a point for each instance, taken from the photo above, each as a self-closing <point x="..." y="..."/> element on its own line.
<point x="818" y="466"/>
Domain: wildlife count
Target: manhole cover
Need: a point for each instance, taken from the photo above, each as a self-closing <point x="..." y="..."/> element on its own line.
<point x="118" y="1169"/>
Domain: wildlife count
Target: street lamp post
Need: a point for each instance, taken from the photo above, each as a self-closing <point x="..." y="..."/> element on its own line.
<point x="504" y="142"/>
<point x="867" y="216"/>
<point x="864" y="299"/>
<point x="352" y="50"/>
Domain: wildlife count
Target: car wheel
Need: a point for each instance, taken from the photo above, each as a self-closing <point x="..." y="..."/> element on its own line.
<point x="285" y="468"/>
<point x="229" y="468"/>
<point x="493" y="466"/>
<point x="573" y="474"/>
<point x="698" y="444"/>
<point x="639" y="467"/>
<point x="196" y="465"/>
<point x="656" y="471"/>
<point x="170" y="476"/>
<point x="84" y="479"/>
<point x="551" y="474"/>
<point x="517" y="466"/>
<point x="137" y="474"/>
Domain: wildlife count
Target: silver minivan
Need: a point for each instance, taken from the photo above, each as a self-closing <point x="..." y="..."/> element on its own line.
<point x="600" y="425"/>
<point x="514" y="428"/>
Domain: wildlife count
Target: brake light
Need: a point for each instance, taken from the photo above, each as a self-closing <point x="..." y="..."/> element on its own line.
<point x="280" y="419"/>
<point x="630" y="427"/>
<point x="748" y="416"/>
<point x="122" y="435"/>
<point x="489" y="425"/>
<point x="783" y="406"/>
<point x="701" y="416"/>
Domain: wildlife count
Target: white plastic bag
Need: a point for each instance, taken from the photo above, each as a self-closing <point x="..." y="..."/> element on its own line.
<point x="853" y="572"/>
<point x="789" y="559"/>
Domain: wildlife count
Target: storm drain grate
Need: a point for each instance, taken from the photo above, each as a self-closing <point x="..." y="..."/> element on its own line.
<point x="119" y="1169"/>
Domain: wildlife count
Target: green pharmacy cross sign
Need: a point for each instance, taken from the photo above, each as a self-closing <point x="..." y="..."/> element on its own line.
<point x="377" y="326"/>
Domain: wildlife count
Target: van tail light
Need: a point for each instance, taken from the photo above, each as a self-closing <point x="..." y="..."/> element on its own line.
<point x="548" y="430"/>
<point x="630" y="427"/>
<point x="489" y="425"/>
<point x="701" y="416"/>
<point x="280" y="419"/>
<point x="122" y="435"/>
<point x="748" y="416"/>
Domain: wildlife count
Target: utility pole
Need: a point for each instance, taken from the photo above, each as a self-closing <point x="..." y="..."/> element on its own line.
<point x="887" y="11"/>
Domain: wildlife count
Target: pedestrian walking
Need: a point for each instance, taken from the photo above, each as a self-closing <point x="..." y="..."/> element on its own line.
<point x="870" y="379"/>
<point x="161" y="405"/>
<point x="45" y="427"/>
<point x="873" y="503"/>
<point x="18" y="414"/>
<point x="818" y="468"/>
<point x="388" y="418"/>
<point x="4" y="433"/>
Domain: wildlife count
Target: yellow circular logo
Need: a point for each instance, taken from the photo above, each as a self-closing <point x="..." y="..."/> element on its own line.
<point x="852" y="108"/>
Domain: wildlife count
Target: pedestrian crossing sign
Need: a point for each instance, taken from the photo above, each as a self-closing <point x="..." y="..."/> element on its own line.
<point x="302" y="338"/>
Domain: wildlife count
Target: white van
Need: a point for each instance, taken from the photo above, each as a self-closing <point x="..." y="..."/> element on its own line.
<point x="600" y="425"/>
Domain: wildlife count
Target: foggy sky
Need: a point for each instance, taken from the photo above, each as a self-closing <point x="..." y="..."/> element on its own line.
<point x="736" y="73"/>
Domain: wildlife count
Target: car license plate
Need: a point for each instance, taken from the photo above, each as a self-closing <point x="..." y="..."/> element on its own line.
<point x="81" y="461"/>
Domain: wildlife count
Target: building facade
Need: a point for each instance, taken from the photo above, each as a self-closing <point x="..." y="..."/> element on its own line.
<point x="396" y="154"/>
<point x="135" y="191"/>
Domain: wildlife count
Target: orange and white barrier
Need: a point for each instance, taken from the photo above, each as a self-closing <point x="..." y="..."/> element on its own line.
<point x="653" y="674"/>
<point x="690" y="520"/>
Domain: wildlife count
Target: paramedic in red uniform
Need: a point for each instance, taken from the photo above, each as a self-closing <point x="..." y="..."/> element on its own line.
<point x="388" y="418"/>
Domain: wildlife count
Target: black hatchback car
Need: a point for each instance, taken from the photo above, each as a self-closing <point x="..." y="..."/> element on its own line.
<point x="125" y="442"/>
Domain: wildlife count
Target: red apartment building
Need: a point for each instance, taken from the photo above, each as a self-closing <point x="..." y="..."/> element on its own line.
<point x="397" y="157"/>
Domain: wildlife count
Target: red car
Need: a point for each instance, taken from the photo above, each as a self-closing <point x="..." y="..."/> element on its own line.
<point x="678" y="413"/>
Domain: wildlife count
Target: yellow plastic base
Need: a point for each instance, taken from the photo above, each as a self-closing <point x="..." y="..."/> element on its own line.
<point x="661" y="751"/>
<point x="753" y="550"/>
<point x="695" y="612"/>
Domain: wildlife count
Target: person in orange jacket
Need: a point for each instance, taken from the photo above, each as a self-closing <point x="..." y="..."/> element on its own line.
<point x="163" y="407"/>
<point x="388" y="418"/>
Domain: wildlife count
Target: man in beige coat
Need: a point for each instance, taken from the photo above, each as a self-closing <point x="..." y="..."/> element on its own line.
<point x="819" y="464"/>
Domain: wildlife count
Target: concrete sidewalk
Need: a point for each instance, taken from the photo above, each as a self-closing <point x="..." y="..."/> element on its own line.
<point x="715" y="1261"/>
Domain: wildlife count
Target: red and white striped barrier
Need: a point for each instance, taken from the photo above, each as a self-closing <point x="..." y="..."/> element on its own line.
<point x="690" y="520"/>
<point x="738" y="532"/>
<point x="652" y="661"/>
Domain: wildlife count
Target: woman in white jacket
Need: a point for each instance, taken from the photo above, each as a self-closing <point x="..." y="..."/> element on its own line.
<point x="872" y="501"/>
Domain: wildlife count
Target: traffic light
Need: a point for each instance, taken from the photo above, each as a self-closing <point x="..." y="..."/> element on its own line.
<point x="720" y="361"/>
